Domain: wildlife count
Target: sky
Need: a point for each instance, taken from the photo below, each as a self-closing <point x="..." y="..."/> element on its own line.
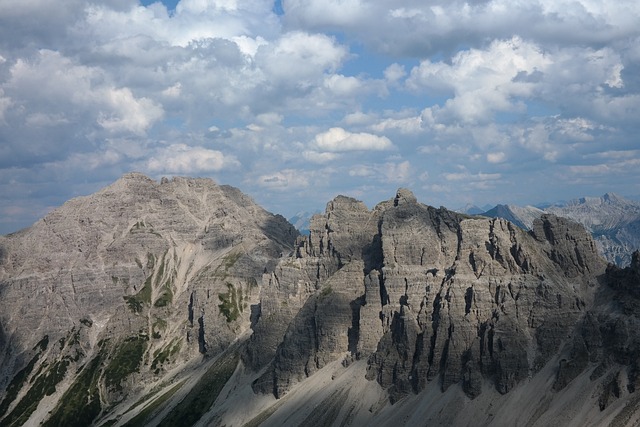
<point x="297" y="101"/>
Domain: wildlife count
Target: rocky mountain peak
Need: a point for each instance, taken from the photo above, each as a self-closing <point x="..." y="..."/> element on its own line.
<point x="163" y="271"/>
<point x="404" y="195"/>
<point x="180" y="301"/>
<point x="426" y="294"/>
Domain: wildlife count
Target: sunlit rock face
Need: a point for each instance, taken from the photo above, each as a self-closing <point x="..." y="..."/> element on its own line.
<point x="138" y="278"/>
<point x="613" y="221"/>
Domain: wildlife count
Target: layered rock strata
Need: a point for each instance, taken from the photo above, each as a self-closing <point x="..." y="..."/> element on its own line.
<point x="124" y="285"/>
<point x="424" y="294"/>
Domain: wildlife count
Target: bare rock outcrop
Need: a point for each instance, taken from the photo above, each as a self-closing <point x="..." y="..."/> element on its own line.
<point x="126" y="284"/>
<point x="608" y="337"/>
<point x="148" y="294"/>
<point x="427" y="294"/>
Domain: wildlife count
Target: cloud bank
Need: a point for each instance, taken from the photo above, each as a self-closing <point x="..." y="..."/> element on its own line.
<point x="464" y="102"/>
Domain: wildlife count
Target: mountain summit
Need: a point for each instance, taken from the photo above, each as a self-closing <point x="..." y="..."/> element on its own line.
<point x="182" y="303"/>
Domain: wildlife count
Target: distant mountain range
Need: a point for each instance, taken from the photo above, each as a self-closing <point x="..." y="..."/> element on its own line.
<point x="614" y="221"/>
<point x="301" y="221"/>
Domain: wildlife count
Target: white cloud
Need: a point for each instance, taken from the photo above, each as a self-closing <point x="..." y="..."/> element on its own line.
<point x="126" y="113"/>
<point x="315" y="97"/>
<point x="182" y="159"/>
<point x="438" y="26"/>
<point x="319" y="157"/>
<point x="483" y="81"/>
<point x="394" y="73"/>
<point x="246" y="22"/>
<point x="51" y="83"/>
<point x="284" y="180"/>
<point x="398" y="172"/>
<point x="342" y="85"/>
<point x="498" y="157"/>
<point x="407" y="125"/>
<point x="339" y="140"/>
<point x="299" y="57"/>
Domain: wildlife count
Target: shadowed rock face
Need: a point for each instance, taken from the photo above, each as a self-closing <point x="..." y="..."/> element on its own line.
<point x="424" y="294"/>
<point x="608" y="337"/>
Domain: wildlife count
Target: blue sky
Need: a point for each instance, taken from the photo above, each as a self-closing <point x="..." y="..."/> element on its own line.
<point x="296" y="102"/>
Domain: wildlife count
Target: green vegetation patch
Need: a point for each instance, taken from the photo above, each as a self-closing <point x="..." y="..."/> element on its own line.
<point x="326" y="291"/>
<point x="42" y="344"/>
<point x="16" y="385"/>
<point x="230" y="260"/>
<point x="203" y="394"/>
<point x="136" y="302"/>
<point x="80" y="404"/>
<point x="165" y="354"/>
<point x="166" y="297"/>
<point x="125" y="361"/>
<point x="157" y="326"/>
<point x="231" y="303"/>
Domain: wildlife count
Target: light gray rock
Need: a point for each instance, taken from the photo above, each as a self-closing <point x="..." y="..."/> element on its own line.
<point x="157" y="273"/>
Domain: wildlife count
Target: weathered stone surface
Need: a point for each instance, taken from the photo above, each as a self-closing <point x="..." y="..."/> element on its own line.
<point x="145" y="283"/>
<point x="315" y="298"/>
<point x="609" y="334"/>
<point x="159" y="272"/>
<point x="435" y="295"/>
<point x="613" y="221"/>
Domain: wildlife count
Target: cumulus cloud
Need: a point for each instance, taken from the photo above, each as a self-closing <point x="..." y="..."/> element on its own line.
<point x="483" y="81"/>
<point x="480" y="97"/>
<point x="339" y="140"/>
<point x="440" y="25"/>
<point x="300" y="57"/>
<point x="182" y="159"/>
<point x="284" y="180"/>
<point x="52" y="82"/>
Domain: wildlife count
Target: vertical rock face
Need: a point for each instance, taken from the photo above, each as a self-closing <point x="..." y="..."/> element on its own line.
<point x="115" y="292"/>
<point x="309" y="305"/>
<point x="609" y="337"/>
<point x="135" y="279"/>
<point x="427" y="294"/>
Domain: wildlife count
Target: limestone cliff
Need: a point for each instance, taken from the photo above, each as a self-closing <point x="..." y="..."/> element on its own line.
<point x="425" y="294"/>
<point x="181" y="302"/>
<point x="128" y="283"/>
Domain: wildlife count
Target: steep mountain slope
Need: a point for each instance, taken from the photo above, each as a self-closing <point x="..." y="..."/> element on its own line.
<point x="439" y="312"/>
<point x="613" y="221"/>
<point x="183" y="303"/>
<point x="109" y="292"/>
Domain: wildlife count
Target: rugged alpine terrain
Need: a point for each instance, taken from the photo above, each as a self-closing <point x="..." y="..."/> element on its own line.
<point x="613" y="221"/>
<point x="105" y="295"/>
<point x="184" y="303"/>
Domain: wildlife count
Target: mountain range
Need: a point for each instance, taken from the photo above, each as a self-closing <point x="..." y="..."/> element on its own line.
<point x="613" y="221"/>
<point x="182" y="302"/>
